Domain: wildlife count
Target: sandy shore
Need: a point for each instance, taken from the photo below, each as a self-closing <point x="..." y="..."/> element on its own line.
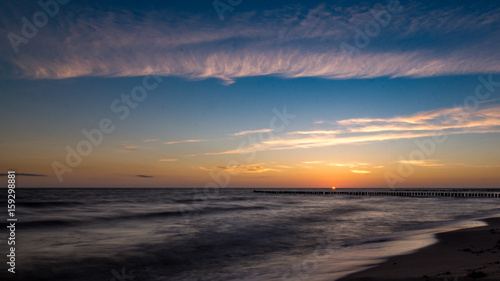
<point x="466" y="254"/>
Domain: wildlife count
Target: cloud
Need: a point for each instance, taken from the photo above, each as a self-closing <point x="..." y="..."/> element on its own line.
<point x="422" y="163"/>
<point x="447" y="121"/>
<point x="361" y="172"/>
<point x="24" y="175"/>
<point x="354" y="164"/>
<point x="257" y="169"/>
<point x="168" y="160"/>
<point x="338" y="164"/>
<point x="183" y="141"/>
<point x="254" y="168"/>
<point x="144" y="176"/>
<point x="437" y="163"/>
<point x="358" y="168"/>
<point x="129" y="147"/>
<point x="304" y="166"/>
<point x="290" y="42"/>
<point x="252" y="132"/>
<point x="206" y="169"/>
<point x="317" y="132"/>
<point x="434" y="120"/>
<point x="310" y="142"/>
<point x="313" y="162"/>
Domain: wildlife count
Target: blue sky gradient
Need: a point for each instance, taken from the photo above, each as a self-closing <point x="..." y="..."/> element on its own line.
<point x="358" y="114"/>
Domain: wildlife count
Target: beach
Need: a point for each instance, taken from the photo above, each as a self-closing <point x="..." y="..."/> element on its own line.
<point x="465" y="254"/>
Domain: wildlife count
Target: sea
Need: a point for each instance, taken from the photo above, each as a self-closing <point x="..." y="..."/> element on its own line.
<point x="151" y="234"/>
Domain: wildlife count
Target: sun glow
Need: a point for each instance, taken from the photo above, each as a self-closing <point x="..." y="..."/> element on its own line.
<point x="333" y="187"/>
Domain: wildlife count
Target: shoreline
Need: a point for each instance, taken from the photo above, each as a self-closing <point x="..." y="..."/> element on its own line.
<point x="458" y="255"/>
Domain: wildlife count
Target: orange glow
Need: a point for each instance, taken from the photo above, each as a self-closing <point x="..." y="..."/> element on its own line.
<point x="333" y="187"/>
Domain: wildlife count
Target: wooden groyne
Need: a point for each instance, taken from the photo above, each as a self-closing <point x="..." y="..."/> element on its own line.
<point x="405" y="193"/>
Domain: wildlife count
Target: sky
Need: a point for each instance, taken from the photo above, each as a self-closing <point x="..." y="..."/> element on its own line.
<point x="238" y="93"/>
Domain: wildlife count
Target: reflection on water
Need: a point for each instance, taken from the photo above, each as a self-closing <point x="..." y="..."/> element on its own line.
<point x="78" y="234"/>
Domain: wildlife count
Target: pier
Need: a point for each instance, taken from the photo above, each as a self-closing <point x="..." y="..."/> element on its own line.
<point x="462" y="193"/>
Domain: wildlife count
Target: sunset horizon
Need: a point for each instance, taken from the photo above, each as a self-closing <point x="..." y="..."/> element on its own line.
<point x="238" y="140"/>
<point x="368" y="94"/>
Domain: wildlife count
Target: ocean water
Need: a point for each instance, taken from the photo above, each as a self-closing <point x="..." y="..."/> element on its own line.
<point x="229" y="234"/>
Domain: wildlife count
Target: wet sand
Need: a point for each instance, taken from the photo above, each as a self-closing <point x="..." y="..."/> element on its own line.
<point x="466" y="254"/>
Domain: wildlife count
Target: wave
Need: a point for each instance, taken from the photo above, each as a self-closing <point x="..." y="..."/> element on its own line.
<point x="43" y="204"/>
<point x="134" y="216"/>
<point x="47" y="223"/>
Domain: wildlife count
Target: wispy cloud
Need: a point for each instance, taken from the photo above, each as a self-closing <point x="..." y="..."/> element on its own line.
<point x="361" y="172"/>
<point x="271" y="42"/>
<point x="441" y="119"/>
<point x="313" y="162"/>
<point x="353" y="164"/>
<point x="448" y="121"/>
<point x="316" y="132"/>
<point x="253" y="168"/>
<point x="422" y="163"/>
<point x="358" y="168"/>
<point x="144" y="176"/>
<point x="129" y="147"/>
<point x="338" y="164"/>
<point x="183" y="141"/>
<point x="168" y="160"/>
<point x="252" y="132"/>
<point x="316" y="141"/>
<point x="442" y="163"/>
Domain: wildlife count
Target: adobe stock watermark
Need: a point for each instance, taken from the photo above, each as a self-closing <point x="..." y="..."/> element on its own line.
<point x="372" y="29"/>
<point x="427" y="146"/>
<point x="222" y="178"/>
<point x="93" y="138"/>
<point x="222" y="7"/>
<point x="40" y="19"/>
